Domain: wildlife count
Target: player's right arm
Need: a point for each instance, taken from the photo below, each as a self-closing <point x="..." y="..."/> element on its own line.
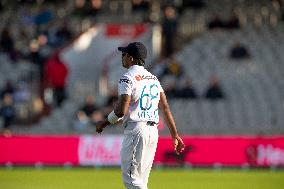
<point x="120" y="109"/>
<point x="167" y="114"/>
<point x="122" y="105"/>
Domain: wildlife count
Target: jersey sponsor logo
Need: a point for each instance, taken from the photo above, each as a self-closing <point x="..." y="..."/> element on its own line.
<point x="125" y="81"/>
<point x="148" y="77"/>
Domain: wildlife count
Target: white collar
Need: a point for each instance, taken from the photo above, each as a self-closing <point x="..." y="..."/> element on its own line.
<point x="134" y="67"/>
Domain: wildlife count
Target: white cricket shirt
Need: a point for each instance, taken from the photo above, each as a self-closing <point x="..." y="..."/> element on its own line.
<point x="144" y="89"/>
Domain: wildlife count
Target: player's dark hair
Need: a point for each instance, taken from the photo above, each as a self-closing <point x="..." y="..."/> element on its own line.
<point x="139" y="62"/>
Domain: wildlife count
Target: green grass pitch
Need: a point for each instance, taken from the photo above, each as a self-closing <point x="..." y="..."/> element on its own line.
<point x="89" y="178"/>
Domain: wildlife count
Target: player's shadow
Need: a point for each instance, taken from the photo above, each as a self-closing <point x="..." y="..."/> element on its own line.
<point x="179" y="160"/>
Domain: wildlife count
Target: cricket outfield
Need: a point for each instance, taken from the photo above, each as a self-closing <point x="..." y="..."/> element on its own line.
<point x="166" y="178"/>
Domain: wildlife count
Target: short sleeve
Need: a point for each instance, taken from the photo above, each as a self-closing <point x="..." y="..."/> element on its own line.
<point x="125" y="86"/>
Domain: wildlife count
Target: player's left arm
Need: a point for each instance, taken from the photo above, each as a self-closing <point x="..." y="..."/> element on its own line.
<point x="165" y="108"/>
<point x="120" y="109"/>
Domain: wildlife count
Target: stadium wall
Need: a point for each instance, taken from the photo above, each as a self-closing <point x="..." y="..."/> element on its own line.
<point x="93" y="150"/>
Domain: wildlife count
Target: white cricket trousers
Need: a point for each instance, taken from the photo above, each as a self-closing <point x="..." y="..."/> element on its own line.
<point x="137" y="154"/>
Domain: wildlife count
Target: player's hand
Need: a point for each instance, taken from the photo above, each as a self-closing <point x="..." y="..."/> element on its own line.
<point x="178" y="145"/>
<point x="100" y="126"/>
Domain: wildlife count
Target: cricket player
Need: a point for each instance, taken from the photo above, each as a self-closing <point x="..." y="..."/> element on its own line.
<point x="140" y="99"/>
